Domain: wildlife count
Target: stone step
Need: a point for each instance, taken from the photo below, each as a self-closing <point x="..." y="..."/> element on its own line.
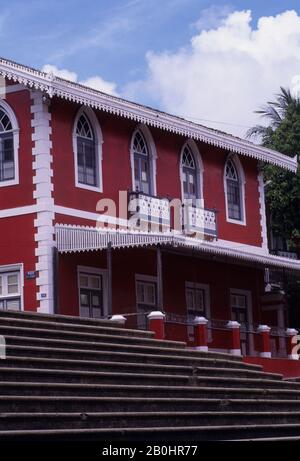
<point x="110" y="328"/>
<point x="165" y="357"/>
<point x="50" y="403"/>
<point x="97" y="377"/>
<point x="220" y="369"/>
<point x="157" y="434"/>
<point x="62" y="335"/>
<point x="145" y="390"/>
<point x="54" y="318"/>
<point x="154" y="348"/>
<point x="92" y="420"/>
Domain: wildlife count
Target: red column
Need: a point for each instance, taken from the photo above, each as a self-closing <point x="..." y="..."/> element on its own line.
<point x="265" y="348"/>
<point x="235" y="339"/>
<point x="291" y="342"/>
<point x="200" y="334"/>
<point x="156" y="321"/>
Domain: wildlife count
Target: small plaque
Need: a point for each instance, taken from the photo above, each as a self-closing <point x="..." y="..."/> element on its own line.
<point x="31" y="274"/>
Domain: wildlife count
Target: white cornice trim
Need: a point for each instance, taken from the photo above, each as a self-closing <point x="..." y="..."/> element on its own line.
<point x="71" y="238"/>
<point x="55" y="86"/>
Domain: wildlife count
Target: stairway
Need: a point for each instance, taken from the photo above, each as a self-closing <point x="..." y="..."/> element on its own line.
<point x="67" y="378"/>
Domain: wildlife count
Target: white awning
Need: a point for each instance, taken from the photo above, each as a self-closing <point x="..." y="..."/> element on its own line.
<point x="74" y="239"/>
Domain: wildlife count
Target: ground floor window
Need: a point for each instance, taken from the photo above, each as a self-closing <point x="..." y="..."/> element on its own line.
<point x="10" y="290"/>
<point x="195" y="301"/>
<point x="241" y="311"/>
<point x="146" y="296"/>
<point x="239" y="307"/>
<point x="91" y="294"/>
<point x="197" y="305"/>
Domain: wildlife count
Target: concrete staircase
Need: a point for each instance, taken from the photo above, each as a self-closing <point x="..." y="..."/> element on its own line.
<point x="67" y="378"/>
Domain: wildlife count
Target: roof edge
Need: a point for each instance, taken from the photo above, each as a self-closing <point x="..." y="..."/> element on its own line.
<point x="75" y="92"/>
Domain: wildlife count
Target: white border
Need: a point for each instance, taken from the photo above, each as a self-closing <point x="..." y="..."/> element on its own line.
<point x="262" y="210"/>
<point x="90" y="114"/>
<point x="43" y="188"/>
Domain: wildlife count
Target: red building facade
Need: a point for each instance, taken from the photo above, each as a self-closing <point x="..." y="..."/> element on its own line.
<point x="108" y="207"/>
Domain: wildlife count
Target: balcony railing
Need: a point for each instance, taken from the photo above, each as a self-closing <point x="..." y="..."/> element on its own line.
<point x="197" y="220"/>
<point x="285" y="254"/>
<point x="148" y="212"/>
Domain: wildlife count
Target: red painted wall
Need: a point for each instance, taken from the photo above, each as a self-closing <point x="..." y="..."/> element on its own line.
<point x="17" y="246"/>
<point x="22" y="194"/>
<point x="176" y="271"/>
<point x="116" y="169"/>
<point x="288" y="368"/>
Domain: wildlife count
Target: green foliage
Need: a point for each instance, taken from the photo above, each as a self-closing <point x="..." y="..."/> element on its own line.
<point x="283" y="190"/>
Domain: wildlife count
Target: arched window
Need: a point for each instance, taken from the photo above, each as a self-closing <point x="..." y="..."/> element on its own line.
<point x="189" y="174"/>
<point x="7" y="157"/>
<point x="234" y="190"/>
<point x="142" y="167"/>
<point x="86" y="152"/>
<point x="87" y="140"/>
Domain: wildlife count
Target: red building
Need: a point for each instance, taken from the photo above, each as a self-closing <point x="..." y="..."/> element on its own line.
<point x="110" y="207"/>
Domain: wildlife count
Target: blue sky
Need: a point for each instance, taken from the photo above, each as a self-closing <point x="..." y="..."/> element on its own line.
<point x="111" y="39"/>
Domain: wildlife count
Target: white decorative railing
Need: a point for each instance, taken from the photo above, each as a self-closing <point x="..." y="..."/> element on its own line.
<point x="75" y="238"/>
<point x="287" y="254"/>
<point x="146" y="210"/>
<point x="199" y="220"/>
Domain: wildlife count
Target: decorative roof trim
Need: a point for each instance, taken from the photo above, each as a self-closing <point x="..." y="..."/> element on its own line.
<point x="73" y="239"/>
<point x="55" y="86"/>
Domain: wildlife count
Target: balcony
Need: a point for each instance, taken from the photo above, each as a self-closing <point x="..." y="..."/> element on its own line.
<point x="285" y="254"/>
<point x="197" y="220"/>
<point x="150" y="213"/>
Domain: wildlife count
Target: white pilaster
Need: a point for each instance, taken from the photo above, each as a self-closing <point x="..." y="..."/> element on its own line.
<point x="262" y="207"/>
<point x="44" y="230"/>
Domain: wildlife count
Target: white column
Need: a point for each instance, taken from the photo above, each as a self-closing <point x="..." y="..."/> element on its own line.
<point x="43" y="188"/>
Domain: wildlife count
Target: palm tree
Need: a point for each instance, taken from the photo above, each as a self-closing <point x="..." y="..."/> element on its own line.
<point x="275" y="112"/>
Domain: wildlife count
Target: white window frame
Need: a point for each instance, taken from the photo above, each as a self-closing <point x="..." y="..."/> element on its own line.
<point x="199" y="169"/>
<point x="206" y="288"/>
<point x="16" y="140"/>
<point x="152" y="156"/>
<point x="248" y="295"/>
<point x="19" y="267"/>
<point x="94" y="271"/>
<point x="242" y="183"/>
<point x="92" y="118"/>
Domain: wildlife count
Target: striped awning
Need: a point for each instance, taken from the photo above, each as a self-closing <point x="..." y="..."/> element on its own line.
<point x="74" y="239"/>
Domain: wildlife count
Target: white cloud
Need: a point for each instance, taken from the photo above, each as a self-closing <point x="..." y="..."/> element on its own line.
<point x="95" y="82"/>
<point x="212" y="17"/>
<point x="226" y="72"/>
<point x="62" y="73"/>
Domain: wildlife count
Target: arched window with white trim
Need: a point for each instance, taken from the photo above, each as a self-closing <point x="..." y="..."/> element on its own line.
<point x="191" y="172"/>
<point x="87" y="140"/>
<point x="143" y="157"/>
<point x="234" y="190"/>
<point x="9" y="143"/>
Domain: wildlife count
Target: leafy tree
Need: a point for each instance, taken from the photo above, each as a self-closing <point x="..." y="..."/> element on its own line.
<point x="283" y="190"/>
<point x="283" y="187"/>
